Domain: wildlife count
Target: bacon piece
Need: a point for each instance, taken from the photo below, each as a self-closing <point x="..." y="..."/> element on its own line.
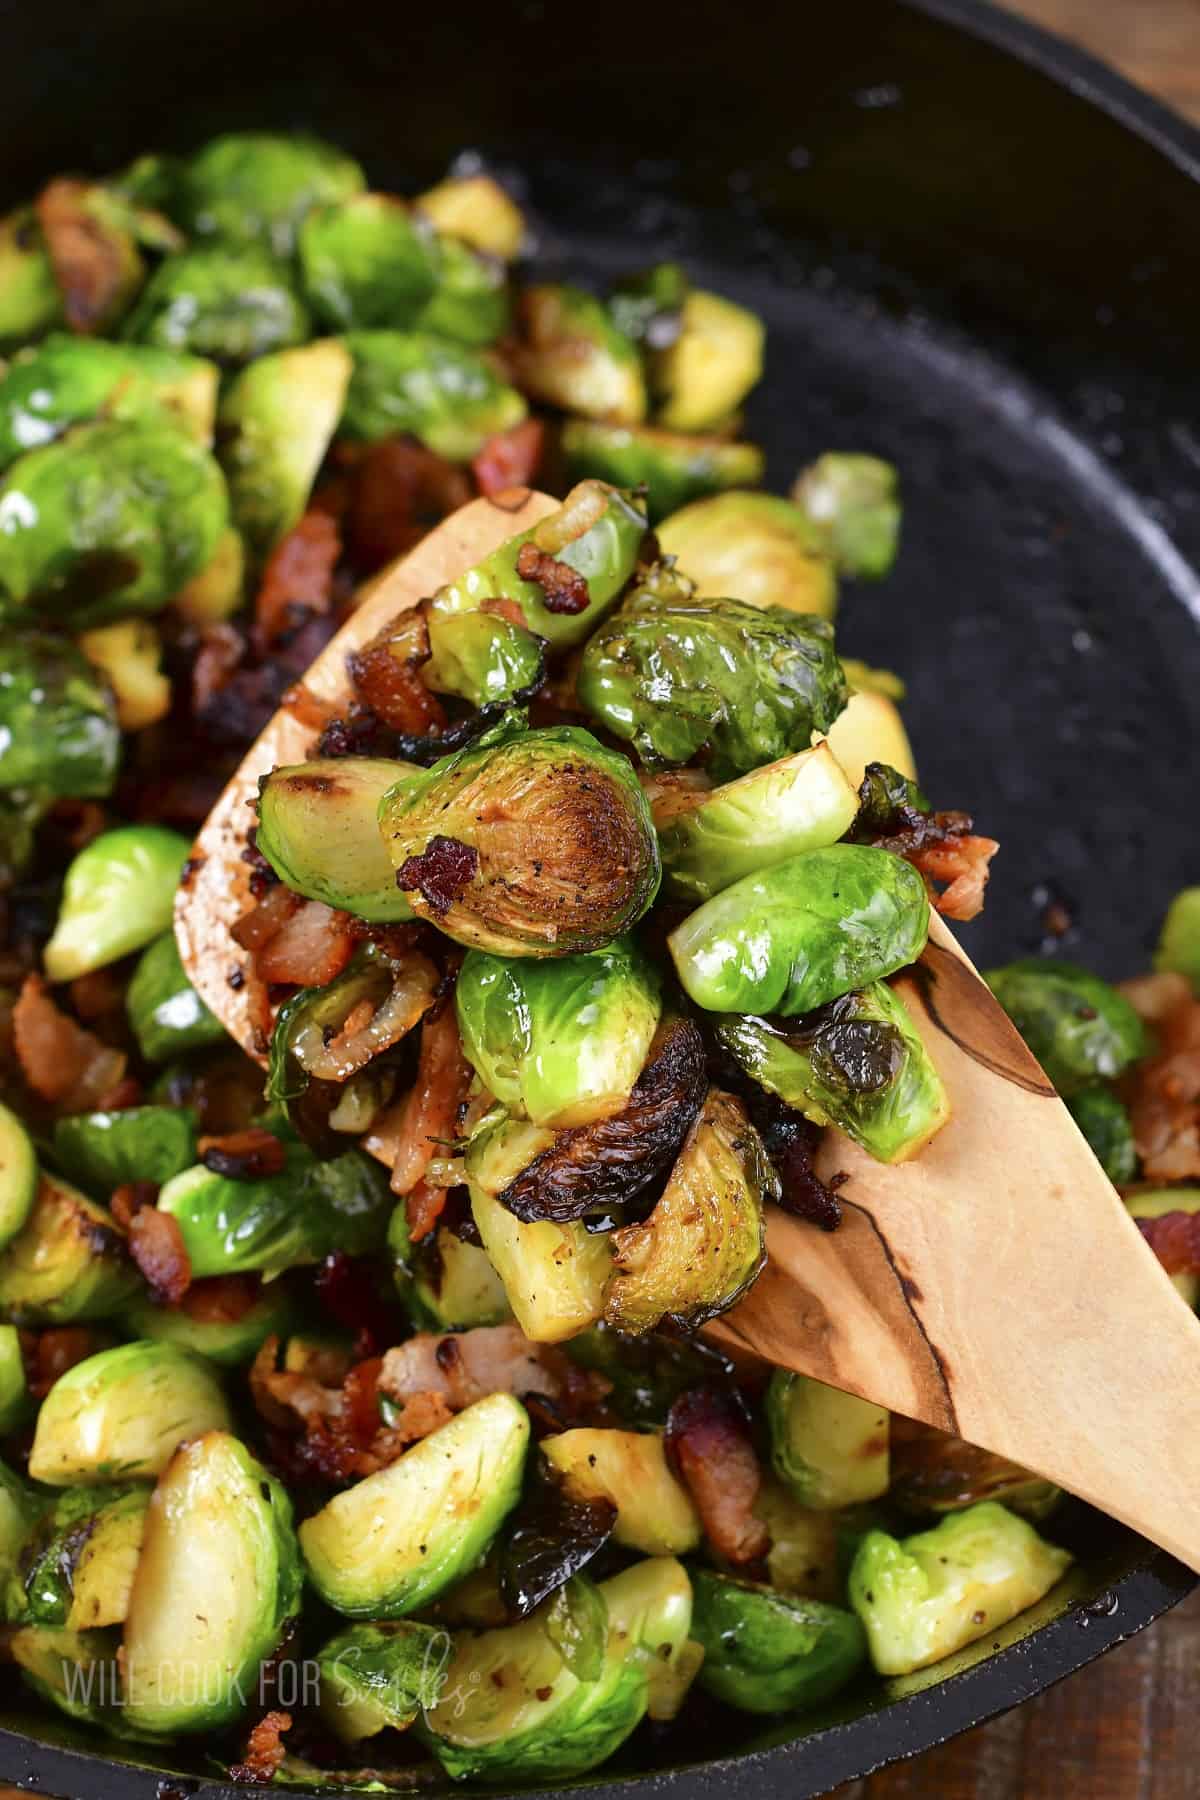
<point x="49" y="1354"/>
<point x="337" y="1432"/>
<point x="441" y="872"/>
<point x="1163" y="1092"/>
<point x="58" y="1058"/>
<point x="564" y="589"/>
<point x="962" y="862"/>
<point x="424" y="1205"/>
<point x="708" y="1441"/>
<point x="250" y="1155"/>
<point x="222" y="647"/>
<point x="221" y="1299"/>
<point x="275" y="905"/>
<point x="298" y="579"/>
<point x="309" y="949"/>
<point x="464" y="1366"/>
<point x="95" y="261"/>
<point x="265" y="1751"/>
<point x="510" y="459"/>
<point x="157" y="1247"/>
<point x="387" y="675"/>
<point x="129" y="1199"/>
<point x="1174" y="1238"/>
<point x="427" y="1114"/>
<point x="398" y="491"/>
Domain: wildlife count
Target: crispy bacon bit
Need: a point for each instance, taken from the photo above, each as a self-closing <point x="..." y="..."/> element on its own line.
<point x="157" y="1247"/>
<point x="95" y="262"/>
<point x="708" y="1440"/>
<point x="511" y="458"/>
<point x="942" y="845"/>
<point x="424" y="1205"/>
<point x="426" y="1116"/>
<point x="129" y="1199"/>
<point x="221" y="1299"/>
<point x="265" y="1751"/>
<point x="564" y="589"/>
<point x="98" y="995"/>
<point x="962" y="862"/>
<point x="464" y="1366"/>
<point x="387" y="675"/>
<point x="440" y="873"/>
<point x="297" y="582"/>
<point x="397" y="492"/>
<point x="58" y="1058"/>
<point x="222" y="647"/>
<point x="309" y="949"/>
<point x="250" y="1155"/>
<point x="336" y="1432"/>
<point x="1163" y="1092"/>
<point x="49" y="1354"/>
<point x="1174" y="1238"/>
<point x="275" y="906"/>
<point x="306" y="708"/>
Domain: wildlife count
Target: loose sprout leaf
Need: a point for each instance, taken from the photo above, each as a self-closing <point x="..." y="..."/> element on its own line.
<point x="549" y="1539"/>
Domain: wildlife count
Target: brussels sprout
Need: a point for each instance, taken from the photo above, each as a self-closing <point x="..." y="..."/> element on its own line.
<point x="935" y="1472"/>
<point x="870" y="731"/>
<point x="575" y="865"/>
<point x="763" y="549"/>
<point x="20" y="1508"/>
<point x="70" y="380"/>
<point x="366" y="262"/>
<point x="476" y="209"/>
<point x="101" y="1150"/>
<point x="559" y="1041"/>
<point x="391" y="1543"/>
<point x="78" y="1565"/>
<point x="75" y="1671"/>
<point x="650" y="1613"/>
<point x="213" y="1328"/>
<point x="857" y="1063"/>
<point x="113" y="518"/>
<point x="221" y="302"/>
<point x="167" y="1015"/>
<point x="1080" y="1029"/>
<point x="485" y="659"/>
<point x="470" y="303"/>
<point x="1104" y="1122"/>
<point x="711" y="366"/>
<point x="18" y="1175"/>
<point x="118" y="896"/>
<point x="923" y="1597"/>
<point x="1156" y="1203"/>
<point x="380" y="1677"/>
<point x="654" y="1510"/>
<point x="306" y="1212"/>
<point x="68" y="1262"/>
<point x="803" y="1558"/>
<point x="216" y="593"/>
<point x="454" y="1286"/>
<point x="444" y="394"/>
<point x="128" y="654"/>
<point x="705" y="1241"/>
<point x="711" y="837"/>
<point x="674" y="675"/>
<point x="16" y="1402"/>
<point x="1179" y="941"/>
<point x="58" y="722"/>
<point x="768" y="1652"/>
<point x="218" y="1580"/>
<point x="574" y="357"/>
<point x="120" y="1415"/>
<point x="280" y="413"/>
<point x="30" y="299"/>
<point x="822" y="924"/>
<point x="648" y="305"/>
<point x="830" y="1449"/>
<point x="855" y="501"/>
<point x="673" y="468"/>
<point x="318" y="828"/>
<point x="257" y="186"/>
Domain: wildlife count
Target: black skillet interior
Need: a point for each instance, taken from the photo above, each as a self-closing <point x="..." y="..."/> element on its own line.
<point x="967" y="265"/>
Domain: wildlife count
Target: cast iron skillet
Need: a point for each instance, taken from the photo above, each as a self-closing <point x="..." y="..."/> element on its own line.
<point x="978" y="254"/>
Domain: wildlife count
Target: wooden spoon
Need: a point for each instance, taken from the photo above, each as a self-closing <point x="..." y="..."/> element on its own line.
<point x="995" y="1286"/>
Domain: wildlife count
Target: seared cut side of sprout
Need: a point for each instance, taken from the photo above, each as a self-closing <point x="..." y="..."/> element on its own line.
<point x="654" y="1513"/>
<point x="69" y="1261"/>
<point x="829" y="1449"/>
<point x="762" y="549"/>
<point x="117" y="897"/>
<point x="318" y="828"/>
<point x="121" y="1415"/>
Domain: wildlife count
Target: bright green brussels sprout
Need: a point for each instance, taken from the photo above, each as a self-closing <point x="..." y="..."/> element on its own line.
<point x="167" y="1015"/>
<point x="318" y="828"/>
<point x="77" y="1567"/>
<point x="304" y="1213"/>
<point x="120" y="1415"/>
<point x="654" y="1510"/>
<point x="829" y="1449"/>
<point x="705" y="1242"/>
<point x="58" y="722"/>
<point x="1156" y="1203"/>
<point x="573" y="356"/>
<point x="711" y="837"/>
<point x="485" y="659"/>
<point x="475" y="208"/>
<point x="30" y="299"/>
<point x="219" y="1334"/>
<point x="367" y="262"/>
<point x="706" y="373"/>
<point x="444" y="394"/>
<point x="672" y="467"/>
<point x="221" y="302"/>
<point x="68" y="1262"/>
<point x="1080" y="1029"/>
<point x="757" y="546"/>
<point x="767" y="1652"/>
<point x="574" y="864"/>
<point x="20" y="1508"/>
<point x="650" y="1614"/>
<point x="1105" y="1123"/>
<point x="16" y="1402"/>
<point x="75" y="1671"/>
<point x="453" y="1284"/>
<point x="113" y="518"/>
<point x="380" y="1677"/>
<point x="560" y="1041"/>
<point x="217" y="1583"/>
<point x="102" y="1150"/>
<point x="858" y="1063"/>
<point x="391" y="1543"/>
<point x="279" y="417"/>
<point x="118" y="895"/>
<point x="855" y="501"/>
<point x="18" y="1175"/>
<point x="1179" y="941"/>
<point x="822" y="924"/>
<point x="674" y="675"/>
<point x="923" y="1597"/>
<point x="470" y="303"/>
<point x="69" y="380"/>
<point x="256" y="187"/>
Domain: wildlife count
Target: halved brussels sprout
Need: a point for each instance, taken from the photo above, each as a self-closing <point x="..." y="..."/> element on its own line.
<point x="711" y="837"/>
<point x="68" y="1262"/>
<point x="471" y="302"/>
<point x="445" y="394"/>
<point x="129" y="656"/>
<point x="218" y="1580"/>
<point x="650" y="1613"/>
<point x="758" y="547"/>
<point x="75" y="1671"/>
<point x="1105" y="1123"/>
<point x="560" y="1041"/>
<point x="672" y="467"/>
<point x="822" y="924"/>
<point x="453" y="1284"/>
<point x="923" y="1597"/>
<point x="654" y="1510"/>
<point x="167" y="1015"/>
<point x="391" y="1543"/>
<point x="69" y="380"/>
<point x="77" y="1567"/>
<point x="803" y="1558"/>
<point x="20" y="1509"/>
<point x="122" y="1414"/>
<point x="1179" y="940"/>
<point x="30" y="300"/>
<point x="1080" y="1029"/>
<point x="118" y="895"/>
<point x="16" y="1402"/>
<point x="712" y="364"/>
<point x="58" y="720"/>
<point x="829" y="1448"/>
<point x="113" y="518"/>
<point x="573" y="356"/>
<point x="280" y="415"/>
<point x="858" y="1063"/>
<point x="381" y="1677"/>
<point x="870" y="731"/>
<point x="478" y="210"/>
<point x="1157" y="1203"/>
<point x="539" y="846"/>
<point x="226" y="1326"/>
<point x="366" y="262"/>
<point x="220" y="301"/>
<point x="674" y="675"/>
<point x="855" y="500"/>
<point x="18" y="1175"/>
<point x="318" y="827"/>
<point x="485" y="659"/>
<point x="767" y="1652"/>
<point x="705" y="1241"/>
<point x="101" y="1150"/>
<point x="257" y="186"/>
